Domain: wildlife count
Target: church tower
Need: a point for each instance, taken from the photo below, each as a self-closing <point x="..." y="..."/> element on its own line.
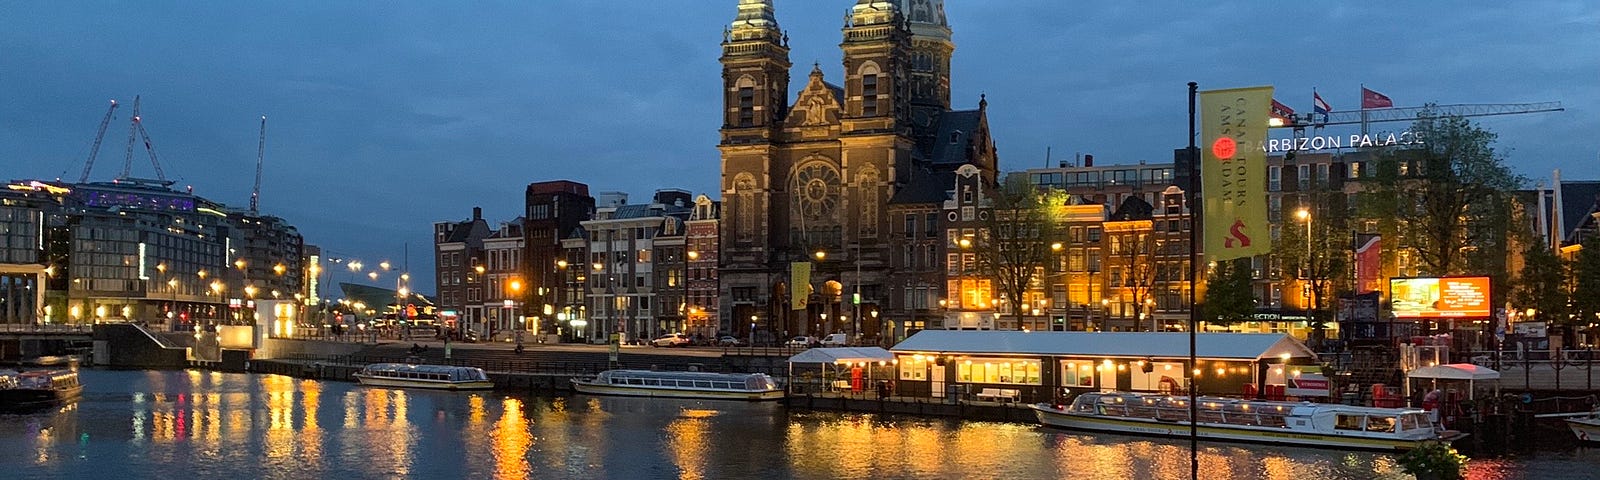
<point x="876" y="48"/>
<point x="931" y="49"/>
<point x="755" y="74"/>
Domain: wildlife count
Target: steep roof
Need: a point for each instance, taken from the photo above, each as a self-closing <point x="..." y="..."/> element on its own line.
<point x="958" y="125"/>
<point x="925" y="187"/>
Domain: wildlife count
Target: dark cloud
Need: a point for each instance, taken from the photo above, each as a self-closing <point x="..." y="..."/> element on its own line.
<point x="386" y="117"/>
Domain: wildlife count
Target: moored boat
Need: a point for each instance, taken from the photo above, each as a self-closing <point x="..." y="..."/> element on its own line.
<point x="1231" y="419"/>
<point x="439" y="377"/>
<point x="1586" y="428"/>
<point x="703" y="385"/>
<point x="38" y="389"/>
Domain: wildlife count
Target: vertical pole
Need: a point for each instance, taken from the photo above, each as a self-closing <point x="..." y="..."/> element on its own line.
<point x="1194" y="268"/>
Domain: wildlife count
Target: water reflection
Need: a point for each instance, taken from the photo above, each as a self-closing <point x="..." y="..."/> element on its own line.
<point x="161" y="424"/>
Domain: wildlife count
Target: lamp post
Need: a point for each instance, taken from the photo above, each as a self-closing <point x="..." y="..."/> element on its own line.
<point x="484" y="327"/>
<point x="1305" y="216"/>
<point x="511" y="304"/>
<point x="1105" y="313"/>
<point x="687" y="307"/>
<point x="753" y="330"/>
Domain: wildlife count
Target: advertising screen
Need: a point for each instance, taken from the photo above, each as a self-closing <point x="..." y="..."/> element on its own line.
<point x="1451" y="297"/>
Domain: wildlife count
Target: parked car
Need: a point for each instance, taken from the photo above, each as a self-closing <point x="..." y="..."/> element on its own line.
<point x="800" y="341"/>
<point x="671" y="340"/>
<point x="835" y="340"/>
<point x="730" y="341"/>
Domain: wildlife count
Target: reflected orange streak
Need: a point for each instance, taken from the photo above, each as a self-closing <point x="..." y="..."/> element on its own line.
<point x="511" y="442"/>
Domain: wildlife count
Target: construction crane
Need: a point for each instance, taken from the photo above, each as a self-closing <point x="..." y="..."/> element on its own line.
<point x="99" y="135"/>
<point x="261" y="152"/>
<point x="1408" y="114"/>
<point x="136" y="128"/>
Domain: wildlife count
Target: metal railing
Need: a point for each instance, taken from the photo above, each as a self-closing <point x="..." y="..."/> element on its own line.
<point x="1572" y="369"/>
<point x="45" y="328"/>
<point x="488" y="365"/>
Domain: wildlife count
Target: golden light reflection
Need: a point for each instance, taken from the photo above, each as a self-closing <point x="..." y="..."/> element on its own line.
<point x="511" y="442"/>
<point x="688" y="441"/>
<point x="310" y="432"/>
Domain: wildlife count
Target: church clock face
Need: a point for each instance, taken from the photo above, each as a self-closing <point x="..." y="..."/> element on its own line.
<point x="814" y="190"/>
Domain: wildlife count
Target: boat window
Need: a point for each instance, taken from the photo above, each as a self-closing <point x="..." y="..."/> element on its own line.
<point x="702" y="384"/>
<point x="722" y="385"/>
<point x="635" y="381"/>
<point x="1408" y="422"/>
<point x="652" y="382"/>
<point x="1347" y="422"/>
<point x="1380" y="424"/>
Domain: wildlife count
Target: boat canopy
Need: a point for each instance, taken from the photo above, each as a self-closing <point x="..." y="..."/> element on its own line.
<point x="1208" y="346"/>
<point x="843" y="355"/>
<point x="1455" y="371"/>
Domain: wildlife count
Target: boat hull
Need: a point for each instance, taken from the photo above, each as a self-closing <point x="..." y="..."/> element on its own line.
<point x="657" y="392"/>
<point x="29" y="399"/>
<point x="1586" y="429"/>
<point x="1049" y="416"/>
<point x="415" y="383"/>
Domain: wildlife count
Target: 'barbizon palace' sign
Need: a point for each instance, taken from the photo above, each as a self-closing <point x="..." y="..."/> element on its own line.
<point x="1330" y="142"/>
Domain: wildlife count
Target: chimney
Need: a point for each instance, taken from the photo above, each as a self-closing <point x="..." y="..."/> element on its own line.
<point x="477" y="213"/>
<point x="1088" y="160"/>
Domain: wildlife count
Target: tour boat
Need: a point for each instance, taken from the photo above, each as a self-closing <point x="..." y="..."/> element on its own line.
<point x="704" y="385"/>
<point x="441" y="377"/>
<point x="38" y="389"/>
<point x="1230" y="419"/>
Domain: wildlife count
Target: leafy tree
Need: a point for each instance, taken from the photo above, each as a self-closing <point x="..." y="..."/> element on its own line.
<point x="1586" y="281"/>
<point x="1312" y="249"/>
<point x="1229" y="297"/>
<point x="1014" y="247"/>
<point x="1542" y="284"/>
<point x="1447" y="202"/>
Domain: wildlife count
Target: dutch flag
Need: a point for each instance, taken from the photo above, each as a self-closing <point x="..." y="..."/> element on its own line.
<point x="1319" y="106"/>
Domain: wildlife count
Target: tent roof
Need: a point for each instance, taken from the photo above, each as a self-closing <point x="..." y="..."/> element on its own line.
<point x="842" y="354"/>
<point x="1216" y="346"/>
<point x="1456" y="371"/>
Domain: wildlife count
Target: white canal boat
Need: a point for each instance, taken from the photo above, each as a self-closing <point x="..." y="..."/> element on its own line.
<point x="439" y="377"/>
<point x="1230" y="419"/>
<point x="703" y="385"/>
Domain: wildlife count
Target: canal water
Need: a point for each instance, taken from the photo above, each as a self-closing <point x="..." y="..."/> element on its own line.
<point x="194" y="424"/>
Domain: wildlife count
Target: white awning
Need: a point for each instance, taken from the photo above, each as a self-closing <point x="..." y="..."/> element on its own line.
<point x="1170" y="345"/>
<point x="1455" y="371"/>
<point x="843" y="355"/>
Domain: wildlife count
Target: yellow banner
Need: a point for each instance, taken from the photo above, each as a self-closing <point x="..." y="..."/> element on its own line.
<point x="799" y="284"/>
<point x="1233" y="170"/>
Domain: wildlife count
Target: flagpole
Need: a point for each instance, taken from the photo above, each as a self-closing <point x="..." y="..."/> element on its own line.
<point x="1194" y="260"/>
<point x="1363" y="109"/>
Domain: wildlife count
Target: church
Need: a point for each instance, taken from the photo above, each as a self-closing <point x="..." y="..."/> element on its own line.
<point x="808" y="242"/>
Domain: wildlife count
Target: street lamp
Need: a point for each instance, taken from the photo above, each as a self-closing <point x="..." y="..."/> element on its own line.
<point x="1305" y="216"/>
<point x="1105" y="312"/>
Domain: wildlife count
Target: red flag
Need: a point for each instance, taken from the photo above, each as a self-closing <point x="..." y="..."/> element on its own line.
<point x="1371" y="99"/>
<point x="1369" y="262"/>
<point x="1282" y="111"/>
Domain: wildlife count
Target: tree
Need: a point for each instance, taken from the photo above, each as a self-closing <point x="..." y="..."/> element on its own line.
<point x="1586" y="282"/>
<point x="1013" y="249"/>
<point x="1542" y="284"/>
<point x="1315" y="255"/>
<point x="1447" y="202"/>
<point x="1229" y="297"/>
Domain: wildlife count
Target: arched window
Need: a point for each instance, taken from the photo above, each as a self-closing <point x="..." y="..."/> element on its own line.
<point x="867" y="193"/>
<point x="744" y="218"/>
<point x="747" y="101"/>
<point x="869" y="89"/>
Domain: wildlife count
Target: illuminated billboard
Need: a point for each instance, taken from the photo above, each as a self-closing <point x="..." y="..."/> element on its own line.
<point x="1450" y="297"/>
